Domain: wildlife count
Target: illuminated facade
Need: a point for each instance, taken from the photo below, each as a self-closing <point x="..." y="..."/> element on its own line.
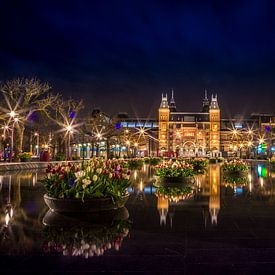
<point x="189" y="134"/>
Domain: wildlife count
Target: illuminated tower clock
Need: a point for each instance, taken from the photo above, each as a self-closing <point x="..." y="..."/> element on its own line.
<point x="164" y="114"/>
<point x="215" y="125"/>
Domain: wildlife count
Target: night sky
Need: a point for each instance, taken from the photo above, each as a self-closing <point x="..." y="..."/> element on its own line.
<point x="121" y="56"/>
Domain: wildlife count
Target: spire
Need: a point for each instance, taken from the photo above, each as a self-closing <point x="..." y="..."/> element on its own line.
<point x="205" y="95"/>
<point x="172" y="103"/>
<point x="205" y="103"/>
<point x="172" y="97"/>
<point x="214" y="102"/>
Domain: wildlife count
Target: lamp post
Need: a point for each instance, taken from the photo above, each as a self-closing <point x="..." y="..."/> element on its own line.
<point x="36" y="134"/>
<point x="12" y="115"/>
<point x="127" y="147"/>
<point x="69" y="129"/>
<point x="135" y="145"/>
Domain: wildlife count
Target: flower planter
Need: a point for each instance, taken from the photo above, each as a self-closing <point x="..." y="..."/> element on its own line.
<point x="25" y="159"/>
<point x="88" y="205"/>
<point x="173" y="181"/>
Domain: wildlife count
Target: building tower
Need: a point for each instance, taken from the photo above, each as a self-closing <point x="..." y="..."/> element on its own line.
<point x="172" y="105"/>
<point x="214" y="198"/>
<point x="215" y="124"/>
<point x="205" y="103"/>
<point x="164" y="114"/>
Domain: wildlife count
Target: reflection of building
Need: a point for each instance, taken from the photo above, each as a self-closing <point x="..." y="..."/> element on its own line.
<point x="189" y="134"/>
<point x="163" y="205"/>
<point x="214" y="196"/>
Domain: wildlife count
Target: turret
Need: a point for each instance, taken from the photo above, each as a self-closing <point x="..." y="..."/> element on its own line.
<point x="172" y="106"/>
<point x="205" y="103"/>
<point x="214" y="102"/>
<point x="164" y="101"/>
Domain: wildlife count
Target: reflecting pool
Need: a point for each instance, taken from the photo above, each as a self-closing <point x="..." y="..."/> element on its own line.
<point x="220" y="224"/>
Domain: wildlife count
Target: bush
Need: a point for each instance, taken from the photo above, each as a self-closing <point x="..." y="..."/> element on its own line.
<point x="25" y="155"/>
<point x="60" y="157"/>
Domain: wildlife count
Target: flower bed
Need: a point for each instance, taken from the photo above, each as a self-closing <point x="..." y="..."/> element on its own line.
<point x="95" y="179"/>
<point x="170" y="169"/>
<point x="25" y="156"/>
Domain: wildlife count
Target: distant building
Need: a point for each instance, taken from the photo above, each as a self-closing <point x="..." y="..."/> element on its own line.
<point x="188" y="133"/>
<point x="205" y="133"/>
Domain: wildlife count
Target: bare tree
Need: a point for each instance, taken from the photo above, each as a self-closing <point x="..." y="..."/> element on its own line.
<point x="22" y="98"/>
<point x="64" y="113"/>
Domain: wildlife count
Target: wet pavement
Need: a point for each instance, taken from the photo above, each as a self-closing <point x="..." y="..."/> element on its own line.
<point x="223" y="227"/>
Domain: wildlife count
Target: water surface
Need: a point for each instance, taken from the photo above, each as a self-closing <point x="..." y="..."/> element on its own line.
<point x="222" y="226"/>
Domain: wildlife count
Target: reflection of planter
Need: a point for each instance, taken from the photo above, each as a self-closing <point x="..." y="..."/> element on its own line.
<point x="175" y="194"/>
<point x="55" y="219"/>
<point x="88" y="205"/>
<point x="84" y="236"/>
<point x="173" y="181"/>
<point x="235" y="174"/>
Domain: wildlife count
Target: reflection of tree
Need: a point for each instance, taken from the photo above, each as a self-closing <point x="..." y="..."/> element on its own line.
<point x="20" y="231"/>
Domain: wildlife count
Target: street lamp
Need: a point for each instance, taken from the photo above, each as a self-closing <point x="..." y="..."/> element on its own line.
<point x="15" y="120"/>
<point x="36" y="134"/>
<point x="136" y="145"/>
<point x="69" y="129"/>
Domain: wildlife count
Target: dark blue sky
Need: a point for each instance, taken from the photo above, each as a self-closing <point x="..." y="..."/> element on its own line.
<point x="121" y="55"/>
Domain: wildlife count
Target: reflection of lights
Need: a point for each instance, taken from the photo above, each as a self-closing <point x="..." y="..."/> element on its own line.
<point x="144" y="168"/>
<point x="261" y="182"/>
<point x="259" y="168"/>
<point x="250" y="187"/>
<point x="135" y="175"/>
<point x="7" y="219"/>
<point x="141" y="185"/>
